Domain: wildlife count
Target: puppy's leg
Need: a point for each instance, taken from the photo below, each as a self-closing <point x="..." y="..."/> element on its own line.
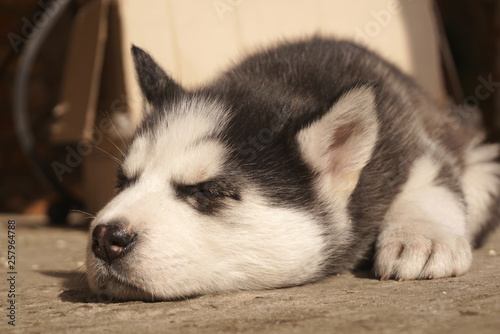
<point x="424" y="233"/>
<point x="481" y="185"/>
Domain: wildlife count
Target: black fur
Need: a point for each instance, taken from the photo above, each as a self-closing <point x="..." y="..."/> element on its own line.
<point x="156" y="86"/>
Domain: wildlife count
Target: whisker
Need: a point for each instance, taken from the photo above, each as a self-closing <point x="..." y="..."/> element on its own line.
<point x="118" y="148"/>
<point x="117" y="160"/>
<point x="87" y="214"/>
<point x="116" y="130"/>
<point x="87" y="218"/>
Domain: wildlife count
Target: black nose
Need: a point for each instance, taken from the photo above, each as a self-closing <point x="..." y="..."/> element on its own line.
<point x="111" y="241"/>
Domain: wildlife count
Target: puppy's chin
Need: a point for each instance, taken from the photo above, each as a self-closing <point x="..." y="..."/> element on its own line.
<point x="108" y="288"/>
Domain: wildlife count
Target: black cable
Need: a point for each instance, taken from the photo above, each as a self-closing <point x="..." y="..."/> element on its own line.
<point x="54" y="11"/>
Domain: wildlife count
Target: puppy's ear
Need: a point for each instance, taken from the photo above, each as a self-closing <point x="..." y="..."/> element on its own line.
<point x="339" y="144"/>
<point x="156" y="86"/>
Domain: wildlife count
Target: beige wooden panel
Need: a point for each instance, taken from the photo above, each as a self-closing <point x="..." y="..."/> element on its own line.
<point x="273" y="20"/>
<point x="195" y="39"/>
<point x="148" y="26"/>
<point x="207" y="39"/>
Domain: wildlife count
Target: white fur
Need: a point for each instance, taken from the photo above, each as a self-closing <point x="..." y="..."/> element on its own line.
<point x="481" y="184"/>
<point x="181" y="152"/>
<point x="181" y="252"/>
<point x="424" y="231"/>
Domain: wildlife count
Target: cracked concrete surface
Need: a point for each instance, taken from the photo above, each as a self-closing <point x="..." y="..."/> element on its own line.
<point x="50" y="298"/>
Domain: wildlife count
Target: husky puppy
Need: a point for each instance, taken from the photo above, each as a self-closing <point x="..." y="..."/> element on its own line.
<point x="301" y="161"/>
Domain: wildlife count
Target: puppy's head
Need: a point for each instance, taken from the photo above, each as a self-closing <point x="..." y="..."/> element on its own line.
<point x="204" y="206"/>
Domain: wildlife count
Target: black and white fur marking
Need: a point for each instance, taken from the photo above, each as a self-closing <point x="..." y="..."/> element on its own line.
<point x="301" y="161"/>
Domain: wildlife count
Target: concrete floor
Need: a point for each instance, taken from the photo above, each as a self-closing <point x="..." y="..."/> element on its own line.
<point x="50" y="299"/>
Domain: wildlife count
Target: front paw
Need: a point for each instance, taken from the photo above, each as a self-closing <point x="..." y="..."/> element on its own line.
<point x="420" y="251"/>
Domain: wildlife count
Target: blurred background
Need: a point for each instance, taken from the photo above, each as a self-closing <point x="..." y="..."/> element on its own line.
<point x="451" y="47"/>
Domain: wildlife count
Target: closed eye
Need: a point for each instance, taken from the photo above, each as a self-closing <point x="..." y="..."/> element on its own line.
<point x="207" y="196"/>
<point x="198" y="190"/>
<point x="209" y="189"/>
<point x="123" y="181"/>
